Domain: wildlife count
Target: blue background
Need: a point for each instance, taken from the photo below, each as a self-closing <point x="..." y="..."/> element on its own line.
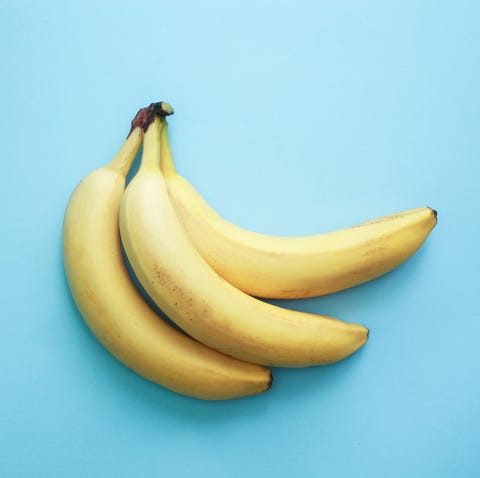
<point x="291" y="118"/>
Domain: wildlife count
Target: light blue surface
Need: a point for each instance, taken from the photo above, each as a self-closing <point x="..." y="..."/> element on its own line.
<point x="291" y="118"/>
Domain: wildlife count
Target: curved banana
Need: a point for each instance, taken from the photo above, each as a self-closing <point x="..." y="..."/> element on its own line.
<point x="115" y="311"/>
<point x="294" y="267"/>
<point x="203" y="304"/>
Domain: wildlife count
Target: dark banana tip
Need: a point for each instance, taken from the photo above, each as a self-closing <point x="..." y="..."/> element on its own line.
<point x="145" y="116"/>
<point x="435" y="213"/>
<point x="269" y="385"/>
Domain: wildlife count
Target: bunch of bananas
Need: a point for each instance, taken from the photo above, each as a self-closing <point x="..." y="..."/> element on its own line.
<point x="205" y="274"/>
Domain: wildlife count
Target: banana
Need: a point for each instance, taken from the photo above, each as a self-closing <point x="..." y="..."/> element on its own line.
<point x="294" y="267"/>
<point x="202" y="303"/>
<point x="113" y="308"/>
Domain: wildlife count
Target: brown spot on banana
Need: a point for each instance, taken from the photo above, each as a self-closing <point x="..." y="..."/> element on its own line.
<point x="374" y="251"/>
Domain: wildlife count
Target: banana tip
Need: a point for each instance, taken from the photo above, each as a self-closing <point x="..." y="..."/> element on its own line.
<point x="435" y="213"/>
<point x="270" y="382"/>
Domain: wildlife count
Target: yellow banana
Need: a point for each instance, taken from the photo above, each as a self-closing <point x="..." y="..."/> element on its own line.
<point x="203" y="304"/>
<point x="115" y="311"/>
<point x="294" y="267"/>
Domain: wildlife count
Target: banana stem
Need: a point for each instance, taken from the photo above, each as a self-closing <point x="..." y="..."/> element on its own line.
<point x="146" y="115"/>
<point x="140" y="124"/>
<point x="166" y="161"/>
<point x="124" y="158"/>
<point x="151" y="145"/>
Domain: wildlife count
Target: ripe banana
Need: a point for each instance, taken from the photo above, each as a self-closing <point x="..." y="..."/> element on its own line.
<point x="294" y="267"/>
<point x="115" y="311"/>
<point x="202" y="303"/>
